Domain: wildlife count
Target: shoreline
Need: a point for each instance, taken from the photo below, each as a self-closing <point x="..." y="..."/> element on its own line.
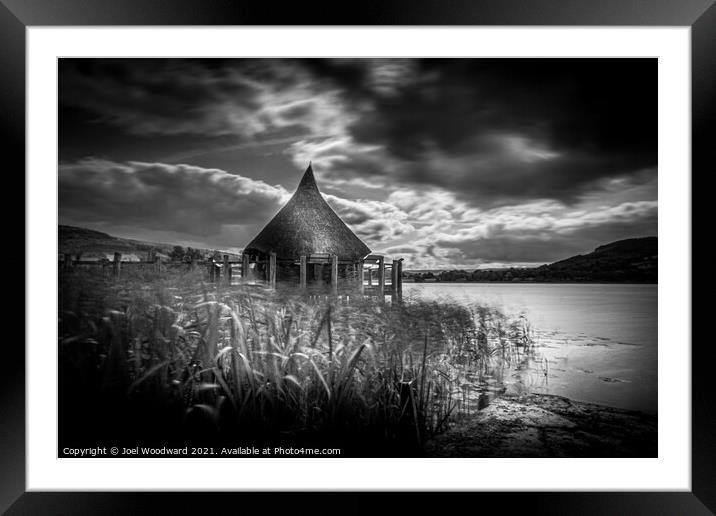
<point x="547" y="425"/>
<point x="533" y="282"/>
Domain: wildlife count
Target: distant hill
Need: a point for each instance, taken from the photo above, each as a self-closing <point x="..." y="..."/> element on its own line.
<point x="634" y="260"/>
<point x="75" y="240"/>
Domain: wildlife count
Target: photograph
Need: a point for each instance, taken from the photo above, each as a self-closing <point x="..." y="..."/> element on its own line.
<point x="357" y="257"/>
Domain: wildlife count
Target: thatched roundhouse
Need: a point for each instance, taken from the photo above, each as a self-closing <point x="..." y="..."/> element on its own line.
<point x="308" y="245"/>
<point x="307" y="225"/>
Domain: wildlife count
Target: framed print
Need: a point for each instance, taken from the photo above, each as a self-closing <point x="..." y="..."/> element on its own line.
<point x="418" y="253"/>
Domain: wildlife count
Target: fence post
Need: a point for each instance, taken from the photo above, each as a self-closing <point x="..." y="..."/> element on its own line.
<point x="381" y="277"/>
<point x="154" y="260"/>
<point x="360" y="276"/>
<point x="116" y="265"/>
<point x="272" y="270"/>
<point x="400" y="280"/>
<point x="227" y="270"/>
<point x="302" y="272"/>
<point x="212" y="269"/>
<point x="334" y="274"/>
<point x="244" y="266"/>
<point x="394" y="281"/>
<point x="68" y="262"/>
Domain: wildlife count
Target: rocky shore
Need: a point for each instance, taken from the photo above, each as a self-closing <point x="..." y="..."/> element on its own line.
<point x="541" y="425"/>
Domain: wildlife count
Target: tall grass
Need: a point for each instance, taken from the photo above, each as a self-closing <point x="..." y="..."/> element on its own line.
<point x="172" y="357"/>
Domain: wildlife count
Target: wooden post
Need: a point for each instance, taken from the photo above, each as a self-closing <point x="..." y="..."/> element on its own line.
<point x="227" y="270"/>
<point x="244" y="266"/>
<point x="360" y="276"/>
<point x="211" y="269"/>
<point x="400" y="280"/>
<point x="68" y="262"/>
<point x="116" y="265"/>
<point x="381" y="277"/>
<point x="302" y="273"/>
<point x="272" y="270"/>
<point x="154" y="260"/>
<point x="334" y="274"/>
<point x="394" y="281"/>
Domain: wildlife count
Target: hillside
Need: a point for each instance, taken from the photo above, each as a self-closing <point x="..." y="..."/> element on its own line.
<point x="634" y="260"/>
<point x="76" y="240"/>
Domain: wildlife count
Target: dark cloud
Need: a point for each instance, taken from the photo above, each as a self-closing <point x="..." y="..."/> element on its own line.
<point x="510" y="128"/>
<point x="150" y="96"/>
<point x="244" y="98"/>
<point x="156" y="196"/>
<point x="588" y="104"/>
<point x="493" y="130"/>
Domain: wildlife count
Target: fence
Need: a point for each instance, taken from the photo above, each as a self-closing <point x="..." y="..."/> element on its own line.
<point x="372" y="276"/>
<point x="217" y="270"/>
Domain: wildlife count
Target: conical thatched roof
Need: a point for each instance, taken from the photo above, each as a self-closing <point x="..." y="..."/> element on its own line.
<point x="308" y="225"/>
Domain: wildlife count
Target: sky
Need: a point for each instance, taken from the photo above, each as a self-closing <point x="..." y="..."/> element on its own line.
<point x="447" y="163"/>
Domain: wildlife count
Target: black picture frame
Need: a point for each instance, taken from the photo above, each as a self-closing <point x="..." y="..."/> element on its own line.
<point x="17" y="15"/>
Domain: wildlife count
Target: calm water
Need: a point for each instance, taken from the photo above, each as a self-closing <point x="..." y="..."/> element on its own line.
<point x="598" y="343"/>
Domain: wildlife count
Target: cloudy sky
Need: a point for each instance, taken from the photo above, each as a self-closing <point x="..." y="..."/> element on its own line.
<point x="463" y="163"/>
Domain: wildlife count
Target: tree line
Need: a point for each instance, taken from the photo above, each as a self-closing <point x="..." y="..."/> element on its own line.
<point x="544" y="274"/>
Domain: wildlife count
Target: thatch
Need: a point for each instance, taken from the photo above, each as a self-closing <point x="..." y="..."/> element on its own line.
<point x="308" y="225"/>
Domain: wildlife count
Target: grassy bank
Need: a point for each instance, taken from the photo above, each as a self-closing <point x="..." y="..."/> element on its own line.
<point x="161" y="360"/>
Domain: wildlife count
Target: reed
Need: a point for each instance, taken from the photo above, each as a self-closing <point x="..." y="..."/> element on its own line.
<point x="178" y="358"/>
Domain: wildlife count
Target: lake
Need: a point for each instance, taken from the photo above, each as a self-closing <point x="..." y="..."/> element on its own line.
<point x="597" y="342"/>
